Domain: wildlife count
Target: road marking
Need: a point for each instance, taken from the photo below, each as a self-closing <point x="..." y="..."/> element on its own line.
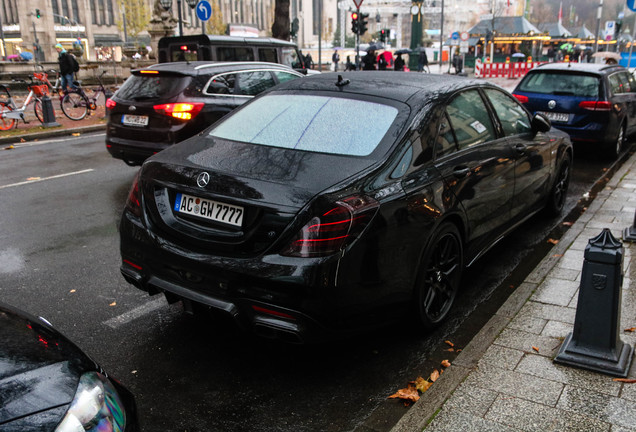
<point x="39" y="179"/>
<point x="68" y="138"/>
<point x="138" y="312"/>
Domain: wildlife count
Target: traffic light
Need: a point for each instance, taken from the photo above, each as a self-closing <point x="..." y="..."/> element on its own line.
<point x="37" y="13"/>
<point x="362" y="26"/>
<point x="382" y="35"/>
<point x="354" y="23"/>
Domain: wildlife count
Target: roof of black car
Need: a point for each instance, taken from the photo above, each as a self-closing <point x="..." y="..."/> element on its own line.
<point x="400" y="86"/>
<point x="199" y="67"/>
<point x="579" y="67"/>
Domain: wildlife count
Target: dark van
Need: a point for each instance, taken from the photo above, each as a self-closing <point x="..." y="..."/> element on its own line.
<point x="229" y="48"/>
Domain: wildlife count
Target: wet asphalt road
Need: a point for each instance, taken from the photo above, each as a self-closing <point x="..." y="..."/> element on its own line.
<point x="59" y="259"/>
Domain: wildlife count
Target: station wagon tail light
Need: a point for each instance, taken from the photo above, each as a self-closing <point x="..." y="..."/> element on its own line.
<point x="521" y="98"/>
<point x="182" y="111"/>
<point x="334" y="229"/>
<point x="596" y="105"/>
<point x="133" y="203"/>
<point x="110" y="104"/>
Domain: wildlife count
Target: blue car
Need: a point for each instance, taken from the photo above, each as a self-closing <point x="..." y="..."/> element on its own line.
<point x="591" y="102"/>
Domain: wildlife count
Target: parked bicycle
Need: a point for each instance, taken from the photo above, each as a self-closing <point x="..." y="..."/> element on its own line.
<point x="76" y="104"/>
<point x="10" y="113"/>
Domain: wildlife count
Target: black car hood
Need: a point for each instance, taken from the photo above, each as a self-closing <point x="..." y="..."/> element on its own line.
<point x="39" y="370"/>
<point x="255" y="172"/>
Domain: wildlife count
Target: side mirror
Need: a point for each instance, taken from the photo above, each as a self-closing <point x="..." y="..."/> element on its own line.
<point x="540" y="123"/>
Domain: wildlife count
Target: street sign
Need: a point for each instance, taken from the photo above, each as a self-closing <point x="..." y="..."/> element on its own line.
<point x="631" y="5"/>
<point x="455" y="35"/>
<point x="464" y="36"/>
<point x="463" y="46"/>
<point x="204" y="10"/>
<point x="358" y="3"/>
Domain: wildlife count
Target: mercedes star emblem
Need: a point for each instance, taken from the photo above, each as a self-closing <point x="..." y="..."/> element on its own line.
<point x="203" y="179"/>
<point x="552" y="104"/>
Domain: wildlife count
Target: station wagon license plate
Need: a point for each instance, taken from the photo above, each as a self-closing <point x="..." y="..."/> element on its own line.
<point x="208" y="209"/>
<point x="556" y="117"/>
<point x="134" y="120"/>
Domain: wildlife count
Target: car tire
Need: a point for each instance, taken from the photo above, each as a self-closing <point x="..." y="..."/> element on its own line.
<point x="439" y="276"/>
<point x="616" y="147"/>
<point x="559" y="191"/>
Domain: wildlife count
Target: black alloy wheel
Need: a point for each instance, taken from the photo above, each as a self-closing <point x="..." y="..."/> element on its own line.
<point x="559" y="191"/>
<point x="440" y="276"/>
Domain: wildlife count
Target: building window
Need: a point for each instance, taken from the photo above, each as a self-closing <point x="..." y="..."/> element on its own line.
<point x="65" y="10"/>
<point x="93" y="11"/>
<point x="102" y="12"/>
<point x="56" y="11"/>
<point x="315" y="16"/>
<point x="76" y="14"/>
<point x="111" y="17"/>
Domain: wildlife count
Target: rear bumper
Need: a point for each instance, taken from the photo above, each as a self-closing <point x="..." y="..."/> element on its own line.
<point x="134" y="152"/>
<point x="591" y="132"/>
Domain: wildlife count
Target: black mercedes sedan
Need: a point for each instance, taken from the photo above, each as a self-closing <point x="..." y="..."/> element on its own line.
<point x="339" y="202"/>
<point x="47" y="384"/>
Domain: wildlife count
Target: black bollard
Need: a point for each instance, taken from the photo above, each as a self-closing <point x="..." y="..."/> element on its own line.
<point x="595" y="342"/>
<point x="629" y="234"/>
<point x="48" y="113"/>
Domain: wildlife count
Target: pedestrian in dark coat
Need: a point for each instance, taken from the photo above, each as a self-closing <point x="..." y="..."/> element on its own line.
<point x="66" y="68"/>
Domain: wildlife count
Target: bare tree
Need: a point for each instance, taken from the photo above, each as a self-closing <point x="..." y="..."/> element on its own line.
<point x="281" y="27"/>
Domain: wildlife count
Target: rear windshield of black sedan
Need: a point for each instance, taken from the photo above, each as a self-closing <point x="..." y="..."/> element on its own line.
<point x="152" y="86"/>
<point x="310" y="123"/>
<point x="559" y="83"/>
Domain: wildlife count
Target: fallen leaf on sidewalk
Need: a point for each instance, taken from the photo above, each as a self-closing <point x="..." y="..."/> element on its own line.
<point x="625" y="380"/>
<point x="22" y="140"/>
<point x="631" y="329"/>
<point x="113" y="304"/>
<point x="449" y="343"/>
<point x="410" y="394"/>
<point x="422" y="385"/>
<point x="434" y="375"/>
<point x="72" y="291"/>
<point x="553" y="241"/>
<point x="567" y="223"/>
<point x="557" y="255"/>
<point x="76" y="134"/>
<point x="446" y="363"/>
<point x="33" y="178"/>
<point x="450" y="350"/>
<point x="535" y="348"/>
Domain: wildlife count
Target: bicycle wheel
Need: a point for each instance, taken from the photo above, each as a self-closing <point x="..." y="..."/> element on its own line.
<point x="39" y="111"/>
<point x="6" y="123"/>
<point x="74" y="106"/>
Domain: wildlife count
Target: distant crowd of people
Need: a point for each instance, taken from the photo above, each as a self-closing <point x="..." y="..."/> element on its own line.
<point x="381" y="61"/>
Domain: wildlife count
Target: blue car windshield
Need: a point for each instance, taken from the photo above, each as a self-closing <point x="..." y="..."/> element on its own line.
<point x="557" y="83"/>
<point x="309" y="123"/>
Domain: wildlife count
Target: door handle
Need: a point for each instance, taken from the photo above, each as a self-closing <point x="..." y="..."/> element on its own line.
<point x="461" y="171"/>
<point x="520" y="148"/>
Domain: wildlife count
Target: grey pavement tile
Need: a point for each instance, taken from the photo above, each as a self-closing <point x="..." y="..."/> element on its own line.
<point x="533" y="417"/>
<point x="529" y="324"/>
<point x="471" y="399"/>
<point x="549" y="312"/>
<point x="555" y="291"/>
<point x="520" y="340"/>
<point x="619" y="412"/>
<point x="544" y="368"/>
<point x="575" y="300"/>
<point x="571" y="263"/>
<point x="600" y="224"/>
<point x="455" y="421"/>
<point x="622" y="429"/>
<point x="516" y="384"/>
<point x="574" y="255"/>
<point x="564" y="273"/>
<point x="629" y="393"/>
<point x="502" y="357"/>
<point x="556" y="329"/>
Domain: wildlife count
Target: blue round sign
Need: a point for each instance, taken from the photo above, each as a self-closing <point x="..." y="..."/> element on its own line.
<point x="455" y="35"/>
<point x="204" y="10"/>
<point x="630" y="4"/>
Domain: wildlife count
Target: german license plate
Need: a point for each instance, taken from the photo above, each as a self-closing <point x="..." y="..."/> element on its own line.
<point x="134" y="120"/>
<point x="208" y="209"/>
<point x="557" y="117"/>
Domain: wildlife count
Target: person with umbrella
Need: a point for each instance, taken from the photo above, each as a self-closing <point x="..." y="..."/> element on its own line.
<point x="399" y="63"/>
<point x="368" y="61"/>
<point x="422" y="61"/>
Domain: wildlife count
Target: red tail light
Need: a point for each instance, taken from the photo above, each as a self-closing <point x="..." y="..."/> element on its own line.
<point x="596" y="105"/>
<point x="182" y="111"/>
<point x="335" y="229"/>
<point x="133" y="203"/>
<point x="110" y="104"/>
<point x="521" y="98"/>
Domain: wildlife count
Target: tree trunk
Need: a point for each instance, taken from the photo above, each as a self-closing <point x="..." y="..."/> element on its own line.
<point x="281" y="26"/>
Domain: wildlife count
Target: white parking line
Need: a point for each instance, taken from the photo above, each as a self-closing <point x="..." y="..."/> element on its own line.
<point x="39" y="179"/>
<point x="135" y="313"/>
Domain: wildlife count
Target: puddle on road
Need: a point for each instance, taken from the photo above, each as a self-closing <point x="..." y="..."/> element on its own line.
<point x="11" y="261"/>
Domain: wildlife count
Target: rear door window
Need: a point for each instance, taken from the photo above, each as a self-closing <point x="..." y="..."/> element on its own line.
<point x="234" y="54"/>
<point x="152" y="86"/>
<point x="513" y="118"/>
<point x="254" y="82"/>
<point x="283" y="76"/>
<point x="267" y="55"/>
<point x="222" y="84"/>
<point x="470" y="119"/>
<point x="616" y="85"/>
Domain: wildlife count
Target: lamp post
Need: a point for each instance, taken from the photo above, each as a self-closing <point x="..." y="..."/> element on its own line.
<point x="167" y="5"/>
<point x="193" y="4"/>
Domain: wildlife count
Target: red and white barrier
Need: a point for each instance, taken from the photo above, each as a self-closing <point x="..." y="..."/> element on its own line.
<point x="503" y="70"/>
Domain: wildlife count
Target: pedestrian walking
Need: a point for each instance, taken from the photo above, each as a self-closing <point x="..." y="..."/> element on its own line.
<point x="399" y="63"/>
<point x="368" y="61"/>
<point x="66" y="67"/>
<point x="422" y="61"/>
<point x="349" y="66"/>
<point x="335" y="58"/>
